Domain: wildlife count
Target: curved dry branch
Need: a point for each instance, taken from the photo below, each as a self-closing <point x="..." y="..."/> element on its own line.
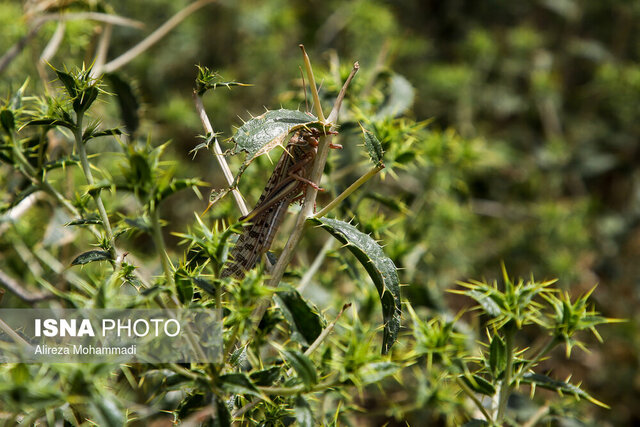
<point x="21" y="292"/>
<point x="154" y="37"/>
<point x="94" y="16"/>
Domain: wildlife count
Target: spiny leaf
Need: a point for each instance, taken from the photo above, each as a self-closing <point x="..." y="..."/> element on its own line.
<point x="85" y="221"/>
<point x="238" y="383"/>
<point x="176" y="185"/>
<point x="497" y="356"/>
<point x="304" y="320"/>
<point x="69" y="83"/>
<point x="263" y="133"/>
<point x="7" y="120"/>
<point x="85" y="99"/>
<point x="62" y="163"/>
<point x="97" y="133"/>
<point x="48" y="121"/>
<point x="205" y="285"/>
<point x="91" y="256"/>
<point x="486" y="302"/>
<point x="373" y="145"/>
<point x="303" y="366"/>
<point x="380" y="268"/>
<point x="479" y="385"/>
<point x="266" y="377"/>
<point x="544" y="381"/>
<point x="183" y="285"/>
<point x="208" y="79"/>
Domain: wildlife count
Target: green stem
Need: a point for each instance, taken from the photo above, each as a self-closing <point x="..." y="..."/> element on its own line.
<point x="185" y="372"/>
<point x="473" y="397"/>
<point x="28" y="169"/>
<point x="86" y="168"/>
<point x="505" y="387"/>
<point x="232" y="340"/>
<point x="298" y="389"/>
<point x="346" y="193"/>
<point x="32" y="174"/>
<point x="162" y="249"/>
<point x="542" y="353"/>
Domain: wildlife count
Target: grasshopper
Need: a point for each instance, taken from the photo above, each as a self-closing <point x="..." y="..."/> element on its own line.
<point x="287" y="183"/>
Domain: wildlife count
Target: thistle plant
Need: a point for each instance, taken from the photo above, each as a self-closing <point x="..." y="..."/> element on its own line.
<point x="318" y="333"/>
<point x="502" y="366"/>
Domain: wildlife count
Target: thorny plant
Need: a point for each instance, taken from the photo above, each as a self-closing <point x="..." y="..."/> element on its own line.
<point x="281" y="361"/>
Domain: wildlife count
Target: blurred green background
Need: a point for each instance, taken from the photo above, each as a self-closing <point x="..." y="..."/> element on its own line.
<point x="532" y="155"/>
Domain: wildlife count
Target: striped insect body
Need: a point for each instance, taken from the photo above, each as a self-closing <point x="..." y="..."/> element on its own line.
<point x="287" y="183"/>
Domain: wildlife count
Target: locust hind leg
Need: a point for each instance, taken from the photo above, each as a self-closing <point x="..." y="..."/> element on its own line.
<point x="306" y="181"/>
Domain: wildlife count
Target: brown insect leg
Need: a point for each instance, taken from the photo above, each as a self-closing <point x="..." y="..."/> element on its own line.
<point x="306" y="181"/>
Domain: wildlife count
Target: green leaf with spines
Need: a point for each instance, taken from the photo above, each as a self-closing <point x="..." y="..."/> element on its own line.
<point x="184" y="286"/>
<point x="210" y="80"/>
<point x="266" y="377"/>
<point x="261" y="134"/>
<point x="7" y="120"/>
<point x="69" y="83"/>
<point x="139" y="171"/>
<point x="15" y="103"/>
<point x="50" y="121"/>
<point x="561" y="387"/>
<point x="479" y="384"/>
<point x="303" y="366"/>
<point x="85" y="221"/>
<point x="486" y="302"/>
<point x="497" y="356"/>
<point x="176" y="185"/>
<point x="381" y="269"/>
<point x="304" y="320"/>
<point x="91" y="256"/>
<point x="94" y="133"/>
<point x="373" y="145"/>
<point x="85" y="98"/>
<point x="238" y="383"/>
<point x="205" y="285"/>
<point x="61" y="163"/>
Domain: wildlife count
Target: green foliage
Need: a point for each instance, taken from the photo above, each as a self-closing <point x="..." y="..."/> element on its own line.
<point x="380" y="268"/>
<point x="507" y="132"/>
<point x="263" y="133"/>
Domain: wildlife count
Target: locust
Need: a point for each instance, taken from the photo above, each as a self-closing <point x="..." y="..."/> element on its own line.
<point x="287" y="184"/>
